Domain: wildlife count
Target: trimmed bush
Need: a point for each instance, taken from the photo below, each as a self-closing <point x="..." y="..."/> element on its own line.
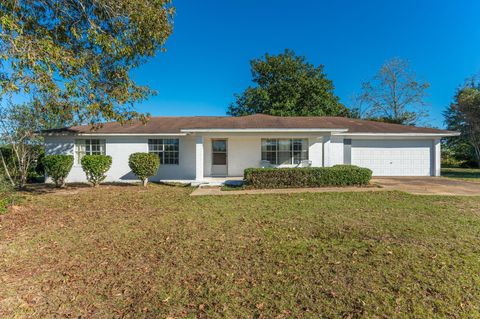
<point x="340" y="175"/>
<point x="95" y="167"/>
<point x="58" y="167"/>
<point x="144" y="165"/>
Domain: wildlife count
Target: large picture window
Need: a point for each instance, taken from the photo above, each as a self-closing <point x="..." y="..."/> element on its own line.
<point x="166" y="148"/>
<point x="89" y="147"/>
<point x="284" y="151"/>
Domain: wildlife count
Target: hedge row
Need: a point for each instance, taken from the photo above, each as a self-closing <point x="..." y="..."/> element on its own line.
<point x="339" y="175"/>
<point x="95" y="167"/>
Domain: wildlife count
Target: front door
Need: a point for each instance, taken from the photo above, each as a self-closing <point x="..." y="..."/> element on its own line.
<point x="219" y="157"/>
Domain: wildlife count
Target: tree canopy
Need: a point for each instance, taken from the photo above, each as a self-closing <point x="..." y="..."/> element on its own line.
<point x="393" y="95"/>
<point x="463" y="115"/>
<point x="75" y="57"/>
<point x="287" y="85"/>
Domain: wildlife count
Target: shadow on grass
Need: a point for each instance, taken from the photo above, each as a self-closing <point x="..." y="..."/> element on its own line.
<point x="464" y="173"/>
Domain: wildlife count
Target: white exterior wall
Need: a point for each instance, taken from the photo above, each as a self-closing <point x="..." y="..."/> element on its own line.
<point x="333" y="146"/>
<point x="244" y="151"/>
<point x="120" y="148"/>
<point x="437" y="157"/>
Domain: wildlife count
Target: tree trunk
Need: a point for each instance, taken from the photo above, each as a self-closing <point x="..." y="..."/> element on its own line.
<point x="145" y="181"/>
<point x="6" y="170"/>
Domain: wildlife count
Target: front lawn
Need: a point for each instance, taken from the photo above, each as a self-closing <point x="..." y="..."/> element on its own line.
<point x="467" y="174"/>
<point x="129" y="252"/>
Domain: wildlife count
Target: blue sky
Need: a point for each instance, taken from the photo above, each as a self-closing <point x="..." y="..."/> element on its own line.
<point x="208" y="54"/>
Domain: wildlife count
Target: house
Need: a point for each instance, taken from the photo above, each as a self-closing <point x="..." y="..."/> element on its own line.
<point x="199" y="147"/>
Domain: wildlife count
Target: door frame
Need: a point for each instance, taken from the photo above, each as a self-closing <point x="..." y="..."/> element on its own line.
<point x="226" y="157"/>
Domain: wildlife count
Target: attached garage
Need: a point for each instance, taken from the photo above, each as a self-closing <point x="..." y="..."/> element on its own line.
<point x="409" y="157"/>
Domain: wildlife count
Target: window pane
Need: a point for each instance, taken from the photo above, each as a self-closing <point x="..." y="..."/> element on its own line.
<point x="284" y="158"/>
<point x="284" y="145"/>
<point x="271" y="157"/>
<point x="219" y="145"/>
<point x="219" y="158"/>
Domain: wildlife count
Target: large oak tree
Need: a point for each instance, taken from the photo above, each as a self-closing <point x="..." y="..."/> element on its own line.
<point x="74" y="57"/>
<point x="287" y="85"/>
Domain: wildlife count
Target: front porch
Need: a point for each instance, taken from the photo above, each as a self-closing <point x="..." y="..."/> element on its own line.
<point x="207" y="181"/>
<point x="221" y="158"/>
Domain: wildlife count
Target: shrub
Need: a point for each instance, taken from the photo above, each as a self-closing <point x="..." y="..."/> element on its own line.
<point x="340" y="175"/>
<point x="95" y="167"/>
<point x="144" y="165"/>
<point x="58" y="167"/>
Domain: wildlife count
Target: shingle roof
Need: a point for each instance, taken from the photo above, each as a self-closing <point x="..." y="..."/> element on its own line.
<point x="164" y="124"/>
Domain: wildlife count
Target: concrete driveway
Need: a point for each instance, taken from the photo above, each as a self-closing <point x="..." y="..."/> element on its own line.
<point x="429" y="185"/>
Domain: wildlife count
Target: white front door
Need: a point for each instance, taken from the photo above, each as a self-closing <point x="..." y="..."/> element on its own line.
<point x="219" y="157"/>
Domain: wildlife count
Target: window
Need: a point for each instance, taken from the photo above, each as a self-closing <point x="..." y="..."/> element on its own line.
<point x="89" y="147"/>
<point x="167" y="149"/>
<point x="284" y="151"/>
<point x="219" y="152"/>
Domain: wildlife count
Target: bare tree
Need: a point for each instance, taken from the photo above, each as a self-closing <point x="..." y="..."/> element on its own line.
<point x="18" y="126"/>
<point x="393" y="95"/>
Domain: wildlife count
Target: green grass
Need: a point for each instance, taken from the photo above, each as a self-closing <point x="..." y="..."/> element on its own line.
<point x="468" y="174"/>
<point x="130" y="252"/>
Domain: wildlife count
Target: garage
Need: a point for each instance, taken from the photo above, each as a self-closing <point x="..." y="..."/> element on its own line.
<point x="394" y="157"/>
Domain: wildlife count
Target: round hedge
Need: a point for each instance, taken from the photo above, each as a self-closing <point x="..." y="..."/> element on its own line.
<point x="95" y="167"/>
<point x="144" y="165"/>
<point x="58" y="167"/>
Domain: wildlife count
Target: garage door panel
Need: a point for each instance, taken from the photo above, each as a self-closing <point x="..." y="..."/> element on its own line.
<point x="394" y="157"/>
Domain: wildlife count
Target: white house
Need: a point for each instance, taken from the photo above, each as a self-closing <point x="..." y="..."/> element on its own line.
<point x="196" y="148"/>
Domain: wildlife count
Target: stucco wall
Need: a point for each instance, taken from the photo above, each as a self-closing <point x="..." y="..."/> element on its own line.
<point x="120" y="148"/>
<point x="244" y="151"/>
<point x="333" y="150"/>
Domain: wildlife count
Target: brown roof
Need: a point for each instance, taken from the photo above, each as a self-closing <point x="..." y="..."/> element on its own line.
<point x="164" y="124"/>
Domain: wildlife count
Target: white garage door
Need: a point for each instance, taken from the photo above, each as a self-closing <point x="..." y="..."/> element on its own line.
<point x="393" y="157"/>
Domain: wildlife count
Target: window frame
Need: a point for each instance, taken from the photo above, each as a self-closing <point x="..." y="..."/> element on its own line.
<point x="162" y="150"/>
<point x="271" y="149"/>
<point x="87" y="146"/>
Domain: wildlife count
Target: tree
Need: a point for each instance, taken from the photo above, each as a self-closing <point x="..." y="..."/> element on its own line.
<point x="75" y="57"/>
<point x="287" y="85"/>
<point x="463" y="115"/>
<point x="394" y="95"/>
<point x="18" y="126"/>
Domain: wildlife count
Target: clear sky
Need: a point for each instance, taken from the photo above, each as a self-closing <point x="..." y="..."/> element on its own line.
<point x="207" y="58"/>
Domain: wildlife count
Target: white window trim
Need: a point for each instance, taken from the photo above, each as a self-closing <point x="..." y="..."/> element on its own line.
<point x="292" y="164"/>
<point x="163" y="149"/>
<point x="76" y="160"/>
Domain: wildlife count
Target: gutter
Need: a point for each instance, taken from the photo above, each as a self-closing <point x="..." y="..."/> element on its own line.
<point x="264" y="130"/>
<point x="112" y="134"/>
<point x="401" y="134"/>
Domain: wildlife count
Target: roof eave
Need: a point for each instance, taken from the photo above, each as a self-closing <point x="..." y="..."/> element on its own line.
<point x="265" y="130"/>
<point x="410" y="134"/>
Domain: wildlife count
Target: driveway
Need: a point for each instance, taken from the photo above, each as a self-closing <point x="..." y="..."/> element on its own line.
<point x="429" y="185"/>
